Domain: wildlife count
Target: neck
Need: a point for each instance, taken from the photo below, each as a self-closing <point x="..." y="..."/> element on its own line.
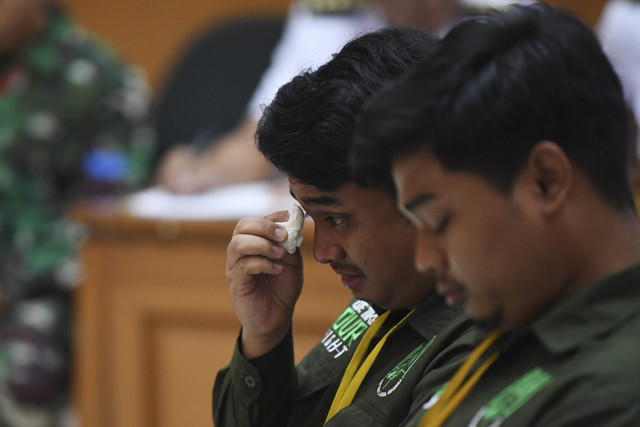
<point x="609" y="241"/>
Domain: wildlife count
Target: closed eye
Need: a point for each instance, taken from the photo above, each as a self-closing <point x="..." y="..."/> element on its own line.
<point x="442" y="227"/>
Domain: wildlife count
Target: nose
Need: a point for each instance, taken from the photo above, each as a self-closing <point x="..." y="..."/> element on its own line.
<point x="430" y="257"/>
<point x="326" y="248"/>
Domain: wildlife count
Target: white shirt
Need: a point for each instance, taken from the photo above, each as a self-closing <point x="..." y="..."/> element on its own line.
<point x="308" y="41"/>
<point x="619" y="32"/>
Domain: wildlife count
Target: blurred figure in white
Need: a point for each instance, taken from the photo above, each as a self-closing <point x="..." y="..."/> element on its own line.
<point x="315" y="30"/>
<point x="619" y="32"/>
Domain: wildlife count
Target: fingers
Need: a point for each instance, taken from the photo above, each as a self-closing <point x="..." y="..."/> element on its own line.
<point x="184" y="171"/>
<point x="245" y="245"/>
<point x="172" y="162"/>
<point x="176" y="170"/>
<point x="253" y="248"/>
<point x="265" y="228"/>
<point x="244" y="268"/>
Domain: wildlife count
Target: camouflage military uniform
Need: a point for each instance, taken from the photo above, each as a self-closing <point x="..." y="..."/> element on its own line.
<point x="74" y="122"/>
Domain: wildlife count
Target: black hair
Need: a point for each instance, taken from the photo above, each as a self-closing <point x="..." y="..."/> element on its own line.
<point x="306" y="130"/>
<point x="498" y="84"/>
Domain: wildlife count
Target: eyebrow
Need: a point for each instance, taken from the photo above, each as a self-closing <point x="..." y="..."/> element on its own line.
<point x="318" y="200"/>
<point x="417" y="201"/>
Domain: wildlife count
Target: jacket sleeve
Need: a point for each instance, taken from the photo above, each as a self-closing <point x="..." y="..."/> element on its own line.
<point x="257" y="389"/>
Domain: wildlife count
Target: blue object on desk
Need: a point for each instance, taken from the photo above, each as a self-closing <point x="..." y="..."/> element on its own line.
<point x="106" y="165"/>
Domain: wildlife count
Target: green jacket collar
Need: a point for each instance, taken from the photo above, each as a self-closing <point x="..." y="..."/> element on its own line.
<point x="594" y="310"/>
<point x="432" y="315"/>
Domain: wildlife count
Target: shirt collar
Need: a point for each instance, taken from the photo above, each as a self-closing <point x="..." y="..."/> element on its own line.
<point x="594" y="310"/>
<point x="432" y="315"/>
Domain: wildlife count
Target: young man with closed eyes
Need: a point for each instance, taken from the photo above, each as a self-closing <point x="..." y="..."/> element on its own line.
<point x="508" y="149"/>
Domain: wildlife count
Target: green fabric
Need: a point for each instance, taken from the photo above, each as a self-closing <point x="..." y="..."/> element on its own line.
<point x="577" y="365"/>
<point x="69" y="96"/>
<point x="415" y="361"/>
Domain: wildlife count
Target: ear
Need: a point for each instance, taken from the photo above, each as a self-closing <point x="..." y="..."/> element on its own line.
<point x="549" y="173"/>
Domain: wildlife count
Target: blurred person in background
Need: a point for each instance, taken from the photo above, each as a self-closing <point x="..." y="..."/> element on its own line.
<point x="74" y="123"/>
<point x="619" y="33"/>
<point x="315" y="29"/>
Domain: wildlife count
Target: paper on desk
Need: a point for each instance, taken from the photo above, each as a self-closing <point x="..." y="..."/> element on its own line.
<point x="230" y="202"/>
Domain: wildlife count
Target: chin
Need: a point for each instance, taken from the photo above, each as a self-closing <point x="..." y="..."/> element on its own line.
<point x="489" y="324"/>
<point x="488" y="321"/>
<point x="394" y="305"/>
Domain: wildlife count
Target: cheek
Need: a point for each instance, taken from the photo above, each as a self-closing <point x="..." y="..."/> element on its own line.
<point x="479" y="251"/>
<point x="390" y="248"/>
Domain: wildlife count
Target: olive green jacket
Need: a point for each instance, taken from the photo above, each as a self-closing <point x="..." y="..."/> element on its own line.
<point x="577" y="365"/>
<point x="416" y="360"/>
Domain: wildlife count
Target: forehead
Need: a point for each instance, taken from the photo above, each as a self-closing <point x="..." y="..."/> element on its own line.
<point x="309" y="195"/>
<point x="347" y="198"/>
<point x="423" y="182"/>
<point x="416" y="174"/>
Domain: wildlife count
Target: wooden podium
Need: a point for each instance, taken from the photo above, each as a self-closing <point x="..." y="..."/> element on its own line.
<point x="153" y="319"/>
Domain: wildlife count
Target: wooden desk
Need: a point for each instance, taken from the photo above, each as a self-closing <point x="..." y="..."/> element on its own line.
<point x="153" y="319"/>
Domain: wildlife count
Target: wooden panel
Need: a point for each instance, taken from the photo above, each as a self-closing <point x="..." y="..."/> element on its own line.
<point x="178" y="346"/>
<point x="154" y="321"/>
<point x="151" y="32"/>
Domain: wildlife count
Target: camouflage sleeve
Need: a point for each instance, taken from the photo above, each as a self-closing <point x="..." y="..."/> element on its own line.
<point x="118" y="127"/>
<point x="76" y="123"/>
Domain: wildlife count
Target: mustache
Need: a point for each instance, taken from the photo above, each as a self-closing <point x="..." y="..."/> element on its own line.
<point x="347" y="268"/>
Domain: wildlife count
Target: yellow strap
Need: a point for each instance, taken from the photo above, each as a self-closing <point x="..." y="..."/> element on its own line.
<point x="354" y="374"/>
<point x="458" y="388"/>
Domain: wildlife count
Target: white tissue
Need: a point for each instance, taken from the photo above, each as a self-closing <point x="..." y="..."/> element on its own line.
<point x="293" y="227"/>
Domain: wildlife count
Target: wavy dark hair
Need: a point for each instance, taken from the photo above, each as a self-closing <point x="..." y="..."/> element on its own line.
<point x="306" y="131"/>
<point x="497" y="85"/>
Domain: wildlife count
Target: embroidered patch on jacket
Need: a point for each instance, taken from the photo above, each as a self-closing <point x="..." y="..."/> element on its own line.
<point x="348" y="327"/>
<point x="434" y="399"/>
<point x="397" y="374"/>
<point x="511" y="399"/>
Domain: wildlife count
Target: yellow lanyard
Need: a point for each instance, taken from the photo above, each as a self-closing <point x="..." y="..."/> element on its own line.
<point x="456" y="390"/>
<point x="355" y="373"/>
